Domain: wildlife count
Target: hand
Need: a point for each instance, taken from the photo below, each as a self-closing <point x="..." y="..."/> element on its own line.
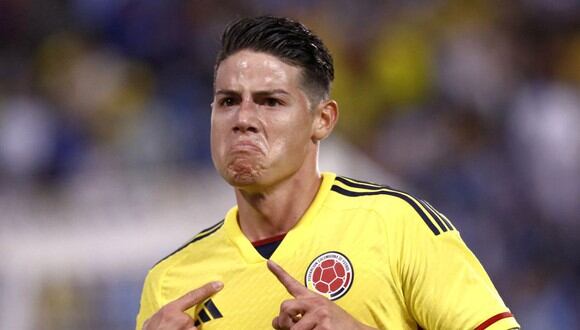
<point x="308" y="310"/>
<point x="173" y="317"/>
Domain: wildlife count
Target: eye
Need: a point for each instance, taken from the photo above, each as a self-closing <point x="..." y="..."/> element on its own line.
<point x="271" y="102"/>
<point x="226" y="102"/>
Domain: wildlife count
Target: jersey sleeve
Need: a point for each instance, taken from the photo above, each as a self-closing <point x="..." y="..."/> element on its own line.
<point x="149" y="302"/>
<point x="444" y="285"/>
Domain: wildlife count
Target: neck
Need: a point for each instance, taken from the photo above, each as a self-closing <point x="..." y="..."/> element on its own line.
<point x="278" y="209"/>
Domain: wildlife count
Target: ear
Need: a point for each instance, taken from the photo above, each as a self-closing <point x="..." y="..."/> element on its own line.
<point x="326" y="116"/>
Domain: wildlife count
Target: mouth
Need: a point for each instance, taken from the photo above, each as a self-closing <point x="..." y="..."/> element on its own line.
<point x="246" y="146"/>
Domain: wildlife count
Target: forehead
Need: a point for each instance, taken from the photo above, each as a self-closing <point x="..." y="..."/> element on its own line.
<point x="248" y="69"/>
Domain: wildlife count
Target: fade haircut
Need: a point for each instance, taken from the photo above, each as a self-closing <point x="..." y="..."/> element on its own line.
<point x="288" y="40"/>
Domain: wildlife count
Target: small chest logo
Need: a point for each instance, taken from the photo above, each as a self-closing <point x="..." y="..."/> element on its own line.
<point x="330" y="274"/>
<point x="205" y="310"/>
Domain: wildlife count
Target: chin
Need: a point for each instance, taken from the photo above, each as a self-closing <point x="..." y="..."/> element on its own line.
<point x="242" y="174"/>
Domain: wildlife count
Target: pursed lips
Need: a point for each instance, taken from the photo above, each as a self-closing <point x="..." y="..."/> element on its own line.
<point x="245" y="146"/>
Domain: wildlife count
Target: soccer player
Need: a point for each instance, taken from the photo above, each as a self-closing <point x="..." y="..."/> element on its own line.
<point x="304" y="249"/>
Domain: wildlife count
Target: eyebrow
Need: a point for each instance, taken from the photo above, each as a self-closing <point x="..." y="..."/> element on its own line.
<point x="225" y="92"/>
<point x="264" y="92"/>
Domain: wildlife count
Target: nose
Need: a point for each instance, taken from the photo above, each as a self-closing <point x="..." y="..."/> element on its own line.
<point x="247" y="118"/>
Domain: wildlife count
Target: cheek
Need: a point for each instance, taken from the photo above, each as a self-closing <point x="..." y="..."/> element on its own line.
<point x="292" y="140"/>
<point x="217" y="139"/>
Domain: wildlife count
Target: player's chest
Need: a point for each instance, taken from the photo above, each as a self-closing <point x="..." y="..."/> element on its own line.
<point x="354" y="274"/>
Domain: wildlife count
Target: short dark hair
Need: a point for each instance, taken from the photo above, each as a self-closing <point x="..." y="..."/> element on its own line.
<point x="289" y="40"/>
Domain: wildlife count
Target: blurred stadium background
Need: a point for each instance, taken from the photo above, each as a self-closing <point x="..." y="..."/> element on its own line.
<point x="104" y="139"/>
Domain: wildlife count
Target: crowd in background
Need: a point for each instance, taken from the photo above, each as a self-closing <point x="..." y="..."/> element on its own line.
<point x="474" y="104"/>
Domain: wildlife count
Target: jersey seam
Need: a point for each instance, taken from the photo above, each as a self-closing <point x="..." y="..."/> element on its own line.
<point x="385" y="222"/>
<point x="397" y="272"/>
<point x="196" y="238"/>
<point x="175" y="257"/>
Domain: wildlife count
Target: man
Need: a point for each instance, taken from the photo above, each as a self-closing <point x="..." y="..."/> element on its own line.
<point x="304" y="250"/>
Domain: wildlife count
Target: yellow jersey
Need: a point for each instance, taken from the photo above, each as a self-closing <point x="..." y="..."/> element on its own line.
<point x="387" y="258"/>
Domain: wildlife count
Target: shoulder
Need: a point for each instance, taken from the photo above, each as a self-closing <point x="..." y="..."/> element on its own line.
<point x="203" y="236"/>
<point x="156" y="276"/>
<point x="390" y="204"/>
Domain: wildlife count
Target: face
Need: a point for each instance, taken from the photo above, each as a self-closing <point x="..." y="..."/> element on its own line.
<point x="262" y="125"/>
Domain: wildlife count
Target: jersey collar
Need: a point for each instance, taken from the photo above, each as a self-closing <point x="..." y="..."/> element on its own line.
<point x="293" y="238"/>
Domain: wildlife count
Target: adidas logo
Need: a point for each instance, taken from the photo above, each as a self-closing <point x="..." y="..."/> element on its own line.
<point x="207" y="313"/>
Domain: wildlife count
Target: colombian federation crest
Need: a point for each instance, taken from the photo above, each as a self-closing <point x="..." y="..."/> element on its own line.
<point x="330" y="274"/>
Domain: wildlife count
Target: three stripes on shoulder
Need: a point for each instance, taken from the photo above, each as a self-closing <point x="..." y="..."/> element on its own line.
<point x="435" y="220"/>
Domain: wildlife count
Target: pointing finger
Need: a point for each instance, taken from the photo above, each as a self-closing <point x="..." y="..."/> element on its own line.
<point x="196" y="296"/>
<point x="293" y="287"/>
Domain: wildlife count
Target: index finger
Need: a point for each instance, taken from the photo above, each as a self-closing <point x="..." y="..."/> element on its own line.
<point x="196" y="296"/>
<point x="293" y="287"/>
